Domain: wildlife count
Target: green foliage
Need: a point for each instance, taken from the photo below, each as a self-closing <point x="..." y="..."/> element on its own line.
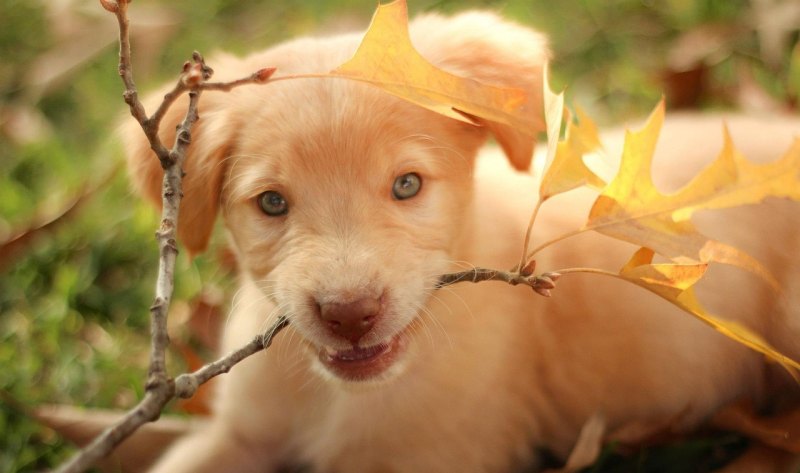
<point x="22" y="37"/>
<point x="73" y="306"/>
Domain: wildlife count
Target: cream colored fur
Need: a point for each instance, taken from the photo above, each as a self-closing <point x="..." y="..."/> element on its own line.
<point x="489" y="371"/>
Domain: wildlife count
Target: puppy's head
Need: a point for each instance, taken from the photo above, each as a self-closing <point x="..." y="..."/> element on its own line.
<point x="344" y="203"/>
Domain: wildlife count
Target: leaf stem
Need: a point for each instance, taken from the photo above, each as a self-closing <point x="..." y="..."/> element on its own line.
<point x="589" y="271"/>
<point x="555" y="240"/>
<point x="159" y="387"/>
<point x="524" y="255"/>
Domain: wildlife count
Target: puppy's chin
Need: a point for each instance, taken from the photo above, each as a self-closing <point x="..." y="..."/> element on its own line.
<point x="369" y="365"/>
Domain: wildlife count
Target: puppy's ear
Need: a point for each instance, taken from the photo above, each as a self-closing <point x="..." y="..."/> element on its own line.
<point x="211" y="140"/>
<point x="482" y="46"/>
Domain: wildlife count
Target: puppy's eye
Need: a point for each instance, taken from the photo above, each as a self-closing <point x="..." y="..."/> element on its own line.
<point x="273" y="204"/>
<point x="406" y="186"/>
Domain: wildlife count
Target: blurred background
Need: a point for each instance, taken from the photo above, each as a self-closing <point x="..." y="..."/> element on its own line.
<point x="77" y="253"/>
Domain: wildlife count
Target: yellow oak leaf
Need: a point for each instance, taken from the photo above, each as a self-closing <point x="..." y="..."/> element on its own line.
<point x="675" y="283"/>
<point x="387" y="59"/>
<point x="731" y="181"/>
<point x="553" y="117"/>
<point x="630" y="208"/>
<point x="567" y="169"/>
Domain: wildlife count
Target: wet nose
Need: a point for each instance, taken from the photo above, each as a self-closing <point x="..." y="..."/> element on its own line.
<point x="351" y="320"/>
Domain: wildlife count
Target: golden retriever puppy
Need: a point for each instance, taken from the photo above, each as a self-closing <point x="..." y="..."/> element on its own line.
<point x="344" y="205"/>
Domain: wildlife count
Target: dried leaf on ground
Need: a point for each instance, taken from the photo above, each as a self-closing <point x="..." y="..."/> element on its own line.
<point x="45" y="221"/>
<point x="80" y="426"/>
<point x="588" y="446"/>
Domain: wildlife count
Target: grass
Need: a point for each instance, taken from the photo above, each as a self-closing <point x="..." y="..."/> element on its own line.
<point x="73" y="306"/>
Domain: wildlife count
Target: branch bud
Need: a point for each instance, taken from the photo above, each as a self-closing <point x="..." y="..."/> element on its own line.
<point x="192" y="75"/>
<point x="552" y="276"/>
<point x="200" y="61"/>
<point x="528" y="269"/>
<point x="544" y="283"/>
<point x="263" y="75"/>
<point x="110" y="6"/>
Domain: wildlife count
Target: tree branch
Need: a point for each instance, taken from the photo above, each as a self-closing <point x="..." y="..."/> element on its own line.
<point x="259" y="77"/>
<point x="156" y="398"/>
<point x="160" y="388"/>
<point x="186" y="384"/>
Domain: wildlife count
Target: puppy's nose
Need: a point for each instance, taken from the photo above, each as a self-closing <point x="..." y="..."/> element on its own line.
<point x="351" y="320"/>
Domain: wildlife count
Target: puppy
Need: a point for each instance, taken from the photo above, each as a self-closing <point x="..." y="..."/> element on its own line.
<point x="344" y="204"/>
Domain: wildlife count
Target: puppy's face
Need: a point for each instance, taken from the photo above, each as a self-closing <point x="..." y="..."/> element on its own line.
<point x="345" y="204"/>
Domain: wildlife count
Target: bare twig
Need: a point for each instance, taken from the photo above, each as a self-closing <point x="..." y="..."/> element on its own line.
<point x="542" y="284"/>
<point x="160" y="388"/>
<point x="120" y="9"/>
<point x="148" y="410"/>
<point x="186" y="384"/>
<point x="150" y="407"/>
<point x="259" y="77"/>
<point x="167" y="243"/>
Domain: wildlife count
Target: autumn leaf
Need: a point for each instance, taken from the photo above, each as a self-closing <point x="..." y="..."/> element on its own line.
<point x="567" y="170"/>
<point x="553" y="118"/>
<point x="588" y="446"/>
<point x="675" y="283"/>
<point x="387" y="59"/>
<point x="46" y="221"/>
<point x="630" y="208"/>
<point x="81" y="426"/>
<point x="564" y="168"/>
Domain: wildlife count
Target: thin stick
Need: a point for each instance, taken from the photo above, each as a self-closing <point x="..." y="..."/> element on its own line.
<point x="186" y="384"/>
<point x="168" y="248"/>
<point x="150" y="407"/>
<point x="541" y="284"/>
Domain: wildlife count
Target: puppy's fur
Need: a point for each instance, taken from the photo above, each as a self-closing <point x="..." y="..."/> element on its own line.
<point x="476" y="376"/>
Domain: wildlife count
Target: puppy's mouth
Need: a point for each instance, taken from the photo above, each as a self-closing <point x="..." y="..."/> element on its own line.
<point x="362" y="364"/>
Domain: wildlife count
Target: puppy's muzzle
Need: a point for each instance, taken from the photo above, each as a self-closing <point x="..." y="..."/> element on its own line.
<point x="351" y="320"/>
